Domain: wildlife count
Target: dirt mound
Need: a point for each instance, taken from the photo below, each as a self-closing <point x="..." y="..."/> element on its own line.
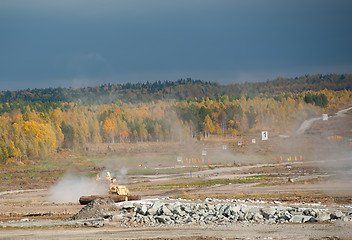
<point x="97" y="209"/>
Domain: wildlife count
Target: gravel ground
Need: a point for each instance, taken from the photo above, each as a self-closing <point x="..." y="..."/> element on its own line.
<point x="336" y="230"/>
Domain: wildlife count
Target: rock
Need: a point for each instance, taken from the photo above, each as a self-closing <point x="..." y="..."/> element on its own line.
<point x="309" y="212"/>
<point x="151" y="219"/>
<point x="298" y="212"/>
<point x="186" y="208"/>
<point x="153" y="210"/>
<point x="117" y="218"/>
<point x="313" y="213"/>
<point x="258" y="217"/>
<point x="107" y="215"/>
<point x="142" y="219"/>
<point x="143" y="210"/>
<point x="268" y="212"/>
<point x="96" y="224"/>
<point x="308" y="219"/>
<point x="178" y="211"/>
<point x="195" y="217"/>
<point x="227" y="211"/>
<point x="166" y="211"/>
<point x="211" y="207"/>
<point x="245" y="208"/>
<point x="322" y="217"/>
<point x="293" y="210"/>
<point x="287" y="215"/>
<point x="337" y="214"/>
<point x="234" y="209"/>
<point x="218" y="207"/>
<point x="163" y="219"/>
<point x="282" y="221"/>
<point x="128" y="205"/>
<point x="203" y="206"/>
<point x="254" y="210"/>
<point x="248" y="216"/>
<point x="300" y="219"/>
<point x="345" y="219"/>
<point x="272" y="220"/>
<point x="188" y="219"/>
<point x="172" y="207"/>
<point x="203" y="212"/>
<point x="297" y="219"/>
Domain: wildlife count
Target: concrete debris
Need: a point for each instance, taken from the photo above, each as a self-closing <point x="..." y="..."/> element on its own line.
<point x="98" y="209"/>
<point x="322" y="217"/>
<point x="156" y="212"/>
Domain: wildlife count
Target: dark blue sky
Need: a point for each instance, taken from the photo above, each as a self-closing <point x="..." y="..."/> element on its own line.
<point x="50" y="43"/>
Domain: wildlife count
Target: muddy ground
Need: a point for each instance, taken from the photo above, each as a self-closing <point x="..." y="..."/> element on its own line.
<point x="235" y="172"/>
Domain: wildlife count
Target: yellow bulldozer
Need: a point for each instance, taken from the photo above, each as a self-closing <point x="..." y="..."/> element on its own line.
<point x="114" y="188"/>
<point x="118" y="193"/>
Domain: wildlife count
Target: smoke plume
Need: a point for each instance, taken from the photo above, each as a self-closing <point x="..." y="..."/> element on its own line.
<point x="70" y="188"/>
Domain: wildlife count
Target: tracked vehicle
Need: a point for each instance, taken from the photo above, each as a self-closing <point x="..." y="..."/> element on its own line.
<point x="118" y="193"/>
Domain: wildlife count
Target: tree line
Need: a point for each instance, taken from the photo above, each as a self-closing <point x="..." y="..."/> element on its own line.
<point x="35" y="130"/>
<point x="182" y="89"/>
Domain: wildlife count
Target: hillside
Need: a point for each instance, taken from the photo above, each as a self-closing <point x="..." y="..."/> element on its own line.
<point x="179" y="90"/>
<point x="35" y="124"/>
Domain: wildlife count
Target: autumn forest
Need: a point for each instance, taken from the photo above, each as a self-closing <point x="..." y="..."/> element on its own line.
<point x="37" y="123"/>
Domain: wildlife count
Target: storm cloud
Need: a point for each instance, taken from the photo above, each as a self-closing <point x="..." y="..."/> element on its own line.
<point x="62" y="43"/>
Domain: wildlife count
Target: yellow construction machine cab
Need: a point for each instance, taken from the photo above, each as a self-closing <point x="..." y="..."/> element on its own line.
<point x="114" y="188"/>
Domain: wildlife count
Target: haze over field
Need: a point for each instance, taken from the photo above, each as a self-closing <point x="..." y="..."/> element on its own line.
<point x="87" y="43"/>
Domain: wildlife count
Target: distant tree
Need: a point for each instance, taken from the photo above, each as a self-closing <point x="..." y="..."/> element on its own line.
<point x="251" y="117"/>
<point x="308" y="98"/>
<point x="208" y="126"/>
<point x="109" y="129"/>
<point x="68" y="131"/>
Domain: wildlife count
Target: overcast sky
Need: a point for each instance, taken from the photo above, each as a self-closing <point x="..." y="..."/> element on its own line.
<point x="51" y="43"/>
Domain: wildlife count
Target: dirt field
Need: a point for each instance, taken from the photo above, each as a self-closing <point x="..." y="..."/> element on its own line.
<point x="240" y="231"/>
<point x="231" y="172"/>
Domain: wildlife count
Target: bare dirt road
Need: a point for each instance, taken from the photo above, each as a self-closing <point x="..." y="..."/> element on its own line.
<point x="237" y="231"/>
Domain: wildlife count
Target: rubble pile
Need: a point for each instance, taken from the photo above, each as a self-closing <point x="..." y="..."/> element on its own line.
<point x="97" y="209"/>
<point x="205" y="213"/>
<point x="150" y="213"/>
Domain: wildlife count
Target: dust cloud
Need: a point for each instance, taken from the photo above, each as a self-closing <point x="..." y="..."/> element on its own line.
<point x="337" y="162"/>
<point x="119" y="175"/>
<point x="327" y="144"/>
<point x="71" y="187"/>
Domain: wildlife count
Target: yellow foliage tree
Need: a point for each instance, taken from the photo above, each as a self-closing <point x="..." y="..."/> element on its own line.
<point x="41" y="138"/>
<point x="109" y="130"/>
<point x="217" y="128"/>
<point x="208" y="126"/>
